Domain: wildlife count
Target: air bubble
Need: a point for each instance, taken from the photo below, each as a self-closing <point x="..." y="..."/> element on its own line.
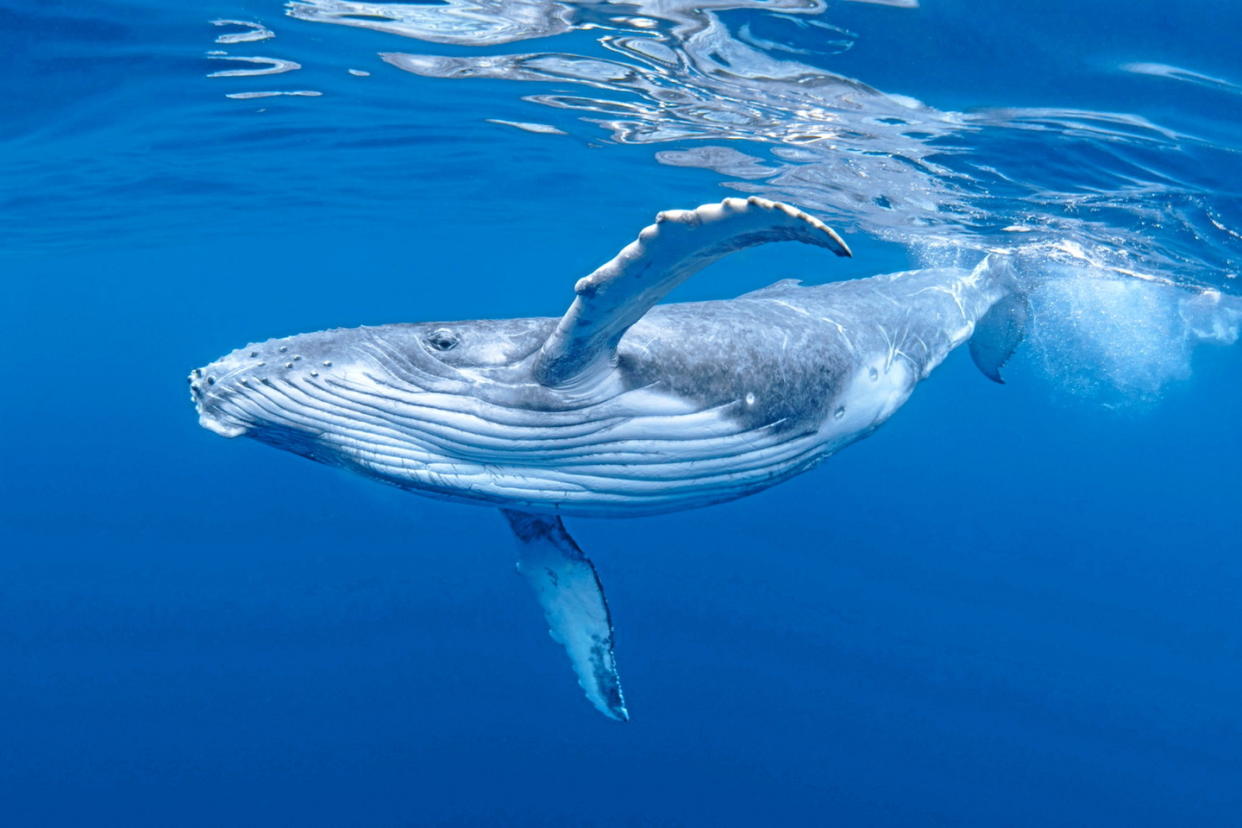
<point x="839" y="413"/>
<point x="750" y="399"/>
<point x="874" y="374"/>
<point x="1116" y="341"/>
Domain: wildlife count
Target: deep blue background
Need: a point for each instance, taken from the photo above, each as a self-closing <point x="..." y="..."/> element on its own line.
<point x="1009" y="607"/>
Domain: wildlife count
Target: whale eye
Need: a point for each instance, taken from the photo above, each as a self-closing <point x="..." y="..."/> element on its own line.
<point x="442" y="339"/>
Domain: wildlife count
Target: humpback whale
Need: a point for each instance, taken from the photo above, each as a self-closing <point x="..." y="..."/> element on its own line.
<point x="622" y="406"/>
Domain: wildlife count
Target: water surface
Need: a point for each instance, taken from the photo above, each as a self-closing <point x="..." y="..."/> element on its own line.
<point x="1012" y="606"/>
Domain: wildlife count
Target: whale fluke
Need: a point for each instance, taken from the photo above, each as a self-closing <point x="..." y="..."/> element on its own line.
<point x="665" y="254"/>
<point x="1000" y="331"/>
<point x="572" y="597"/>
<point x="998" y="334"/>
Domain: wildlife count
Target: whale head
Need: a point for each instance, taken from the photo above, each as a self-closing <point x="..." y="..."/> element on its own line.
<point x="414" y="403"/>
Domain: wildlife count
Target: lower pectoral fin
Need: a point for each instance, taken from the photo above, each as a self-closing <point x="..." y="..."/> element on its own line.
<point x="568" y="589"/>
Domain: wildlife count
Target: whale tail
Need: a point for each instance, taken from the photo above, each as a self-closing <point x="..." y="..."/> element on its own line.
<point x="1000" y="330"/>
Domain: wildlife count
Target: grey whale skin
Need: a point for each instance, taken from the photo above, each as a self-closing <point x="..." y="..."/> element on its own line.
<point x="621" y="407"/>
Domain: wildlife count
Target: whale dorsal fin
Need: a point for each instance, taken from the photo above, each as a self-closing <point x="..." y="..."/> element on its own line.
<point x="665" y="254"/>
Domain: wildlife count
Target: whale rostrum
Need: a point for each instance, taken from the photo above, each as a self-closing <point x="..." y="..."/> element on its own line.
<point x="621" y="407"/>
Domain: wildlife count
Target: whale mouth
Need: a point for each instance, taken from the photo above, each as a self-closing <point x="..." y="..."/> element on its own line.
<point x="216" y="426"/>
<point x="206" y="397"/>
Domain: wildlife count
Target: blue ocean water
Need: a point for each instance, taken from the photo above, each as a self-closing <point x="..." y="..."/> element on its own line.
<point x="1013" y="605"/>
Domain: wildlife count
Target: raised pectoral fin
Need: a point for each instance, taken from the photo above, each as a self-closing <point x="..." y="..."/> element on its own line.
<point x="664" y="255"/>
<point x="572" y="598"/>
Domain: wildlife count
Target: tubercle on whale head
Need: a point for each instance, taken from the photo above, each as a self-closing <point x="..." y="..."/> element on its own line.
<point x="228" y="392"/>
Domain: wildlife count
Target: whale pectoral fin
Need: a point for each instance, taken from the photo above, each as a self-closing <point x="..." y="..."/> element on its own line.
<point x="664" y="255"/>
<point x="998" y="333"/>
<point x="572" y="597"/>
